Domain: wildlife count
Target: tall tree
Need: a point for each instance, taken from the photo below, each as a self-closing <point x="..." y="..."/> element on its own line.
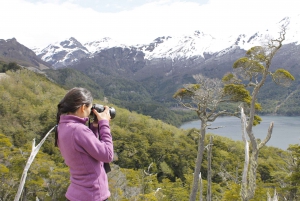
<point x="204" y="98"/>
<point x="251" y="72"/>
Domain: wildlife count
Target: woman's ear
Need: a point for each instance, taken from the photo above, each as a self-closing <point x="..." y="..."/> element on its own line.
<point x="84" y="107"/>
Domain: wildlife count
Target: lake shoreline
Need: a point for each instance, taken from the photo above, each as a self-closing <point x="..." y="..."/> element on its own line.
<point x="267" y="114"/>
<point x="286" y="129"/>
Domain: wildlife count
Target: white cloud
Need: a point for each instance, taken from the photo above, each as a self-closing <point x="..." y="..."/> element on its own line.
<point x="38" y="24"/>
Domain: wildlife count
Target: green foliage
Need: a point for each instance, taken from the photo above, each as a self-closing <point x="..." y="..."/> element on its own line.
<point x="187" y="93"/>
<point x="4" y="141"/>
<point x="27" y="107"/>
<point x="257" y="120"/>
<point x="233" y="191"/>
<point x="121" y="92"/>
<point x="282" y="73"/>
<point x="237" y="92"/>
<point x="230" y="78"/>
<point x="293" y="179"/>
<point x="69" y="78"/>
<point x="158" y="111"/>
<point x="142" y="145"/>
<point x="257" y="53"/>
<point x="140" y="140"/>
<point x="12" y="66"/>
<point x="282" y="77"/>
<point x="183" y="93"/>
<point x="249" y="66"/>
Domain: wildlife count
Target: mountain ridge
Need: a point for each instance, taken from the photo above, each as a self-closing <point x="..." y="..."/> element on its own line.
<point x="12" y="51"/>
<point x="193" y="46"/>
<point x="142" y="77"/>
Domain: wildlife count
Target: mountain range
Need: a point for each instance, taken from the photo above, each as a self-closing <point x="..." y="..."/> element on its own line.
<point x="193" y="46"/>
<point x="141" y="74"/>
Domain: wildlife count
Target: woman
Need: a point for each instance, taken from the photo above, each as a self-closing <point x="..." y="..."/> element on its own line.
<point x="81" y="148"/>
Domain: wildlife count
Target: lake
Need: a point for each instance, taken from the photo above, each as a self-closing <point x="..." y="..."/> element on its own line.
<point x="286" y="130"/>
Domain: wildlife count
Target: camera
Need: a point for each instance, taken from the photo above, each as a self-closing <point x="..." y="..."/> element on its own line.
<point x="100" y="108"/>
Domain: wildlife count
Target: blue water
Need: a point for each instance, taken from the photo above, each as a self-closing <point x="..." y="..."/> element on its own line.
<point x="286" y="130"/>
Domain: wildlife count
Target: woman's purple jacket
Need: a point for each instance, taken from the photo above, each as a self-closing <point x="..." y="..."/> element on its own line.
<point x="85" y="154"/>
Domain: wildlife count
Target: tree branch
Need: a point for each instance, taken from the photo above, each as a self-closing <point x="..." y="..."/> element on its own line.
<point x="268" y="137"/>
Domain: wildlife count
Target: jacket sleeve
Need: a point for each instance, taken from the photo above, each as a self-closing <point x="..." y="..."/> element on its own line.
<point x="86" y="141"/>
<point x="94" y="129"/>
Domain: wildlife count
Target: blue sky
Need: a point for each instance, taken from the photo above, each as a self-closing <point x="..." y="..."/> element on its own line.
<point x="37" y="23"/>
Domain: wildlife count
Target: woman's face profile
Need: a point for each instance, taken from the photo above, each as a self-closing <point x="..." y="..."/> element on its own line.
<point x="83" y="111"/>
<point x="87" y="110"/>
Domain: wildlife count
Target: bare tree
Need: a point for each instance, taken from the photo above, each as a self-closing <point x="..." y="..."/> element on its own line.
<point x="251" y="72"/>
<point x="204" y="98"/>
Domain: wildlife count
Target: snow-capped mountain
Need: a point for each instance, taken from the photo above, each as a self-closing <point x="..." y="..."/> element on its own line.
<point x="196" y="45"/>
<point x="199" y="43"/>
<point x="182" y="47"/>
<point x="63" y="53"/>
<point x="104" y="43"/>
<point x="70" y="51"/>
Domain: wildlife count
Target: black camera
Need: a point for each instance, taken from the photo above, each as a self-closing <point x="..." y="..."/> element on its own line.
<point x="100" y="108"/>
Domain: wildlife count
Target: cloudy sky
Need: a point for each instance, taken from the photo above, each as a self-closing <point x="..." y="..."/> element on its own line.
<point x="41" y="22"/>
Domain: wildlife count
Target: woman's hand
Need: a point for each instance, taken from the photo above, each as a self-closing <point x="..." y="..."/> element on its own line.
<point x="105" y="115"/>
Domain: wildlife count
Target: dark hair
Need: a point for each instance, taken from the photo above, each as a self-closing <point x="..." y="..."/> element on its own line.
<point x="73" y="100"/>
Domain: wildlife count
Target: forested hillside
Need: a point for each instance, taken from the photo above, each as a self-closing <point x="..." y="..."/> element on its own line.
<point x="124" y="74"/>
<point x="124" y="93"/>
<point x="153" y="160"/>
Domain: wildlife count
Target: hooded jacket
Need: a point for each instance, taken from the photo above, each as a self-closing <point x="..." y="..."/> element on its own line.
<point x="85" y="155"/>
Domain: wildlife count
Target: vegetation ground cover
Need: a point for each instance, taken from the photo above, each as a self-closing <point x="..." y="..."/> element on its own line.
<point x="153" y="160"/>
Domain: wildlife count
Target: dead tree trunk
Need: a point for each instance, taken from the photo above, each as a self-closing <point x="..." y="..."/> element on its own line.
<point x="274" y="198"/>
<point x="250" y="166"/>
<point x="201" y="188"/>
<point x="246" y="163"/>
<point x="198" y="161"/>
<point x="34" y="151"/>
<point x="209" y="155"/>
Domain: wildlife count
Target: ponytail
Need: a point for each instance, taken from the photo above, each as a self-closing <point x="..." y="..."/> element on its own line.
<point x="57" y="122"/>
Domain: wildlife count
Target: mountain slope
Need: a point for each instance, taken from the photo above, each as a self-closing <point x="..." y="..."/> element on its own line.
<point x="69" y="78"/>
<point x="12" y="51"/>
<point x="63" y="53"/>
